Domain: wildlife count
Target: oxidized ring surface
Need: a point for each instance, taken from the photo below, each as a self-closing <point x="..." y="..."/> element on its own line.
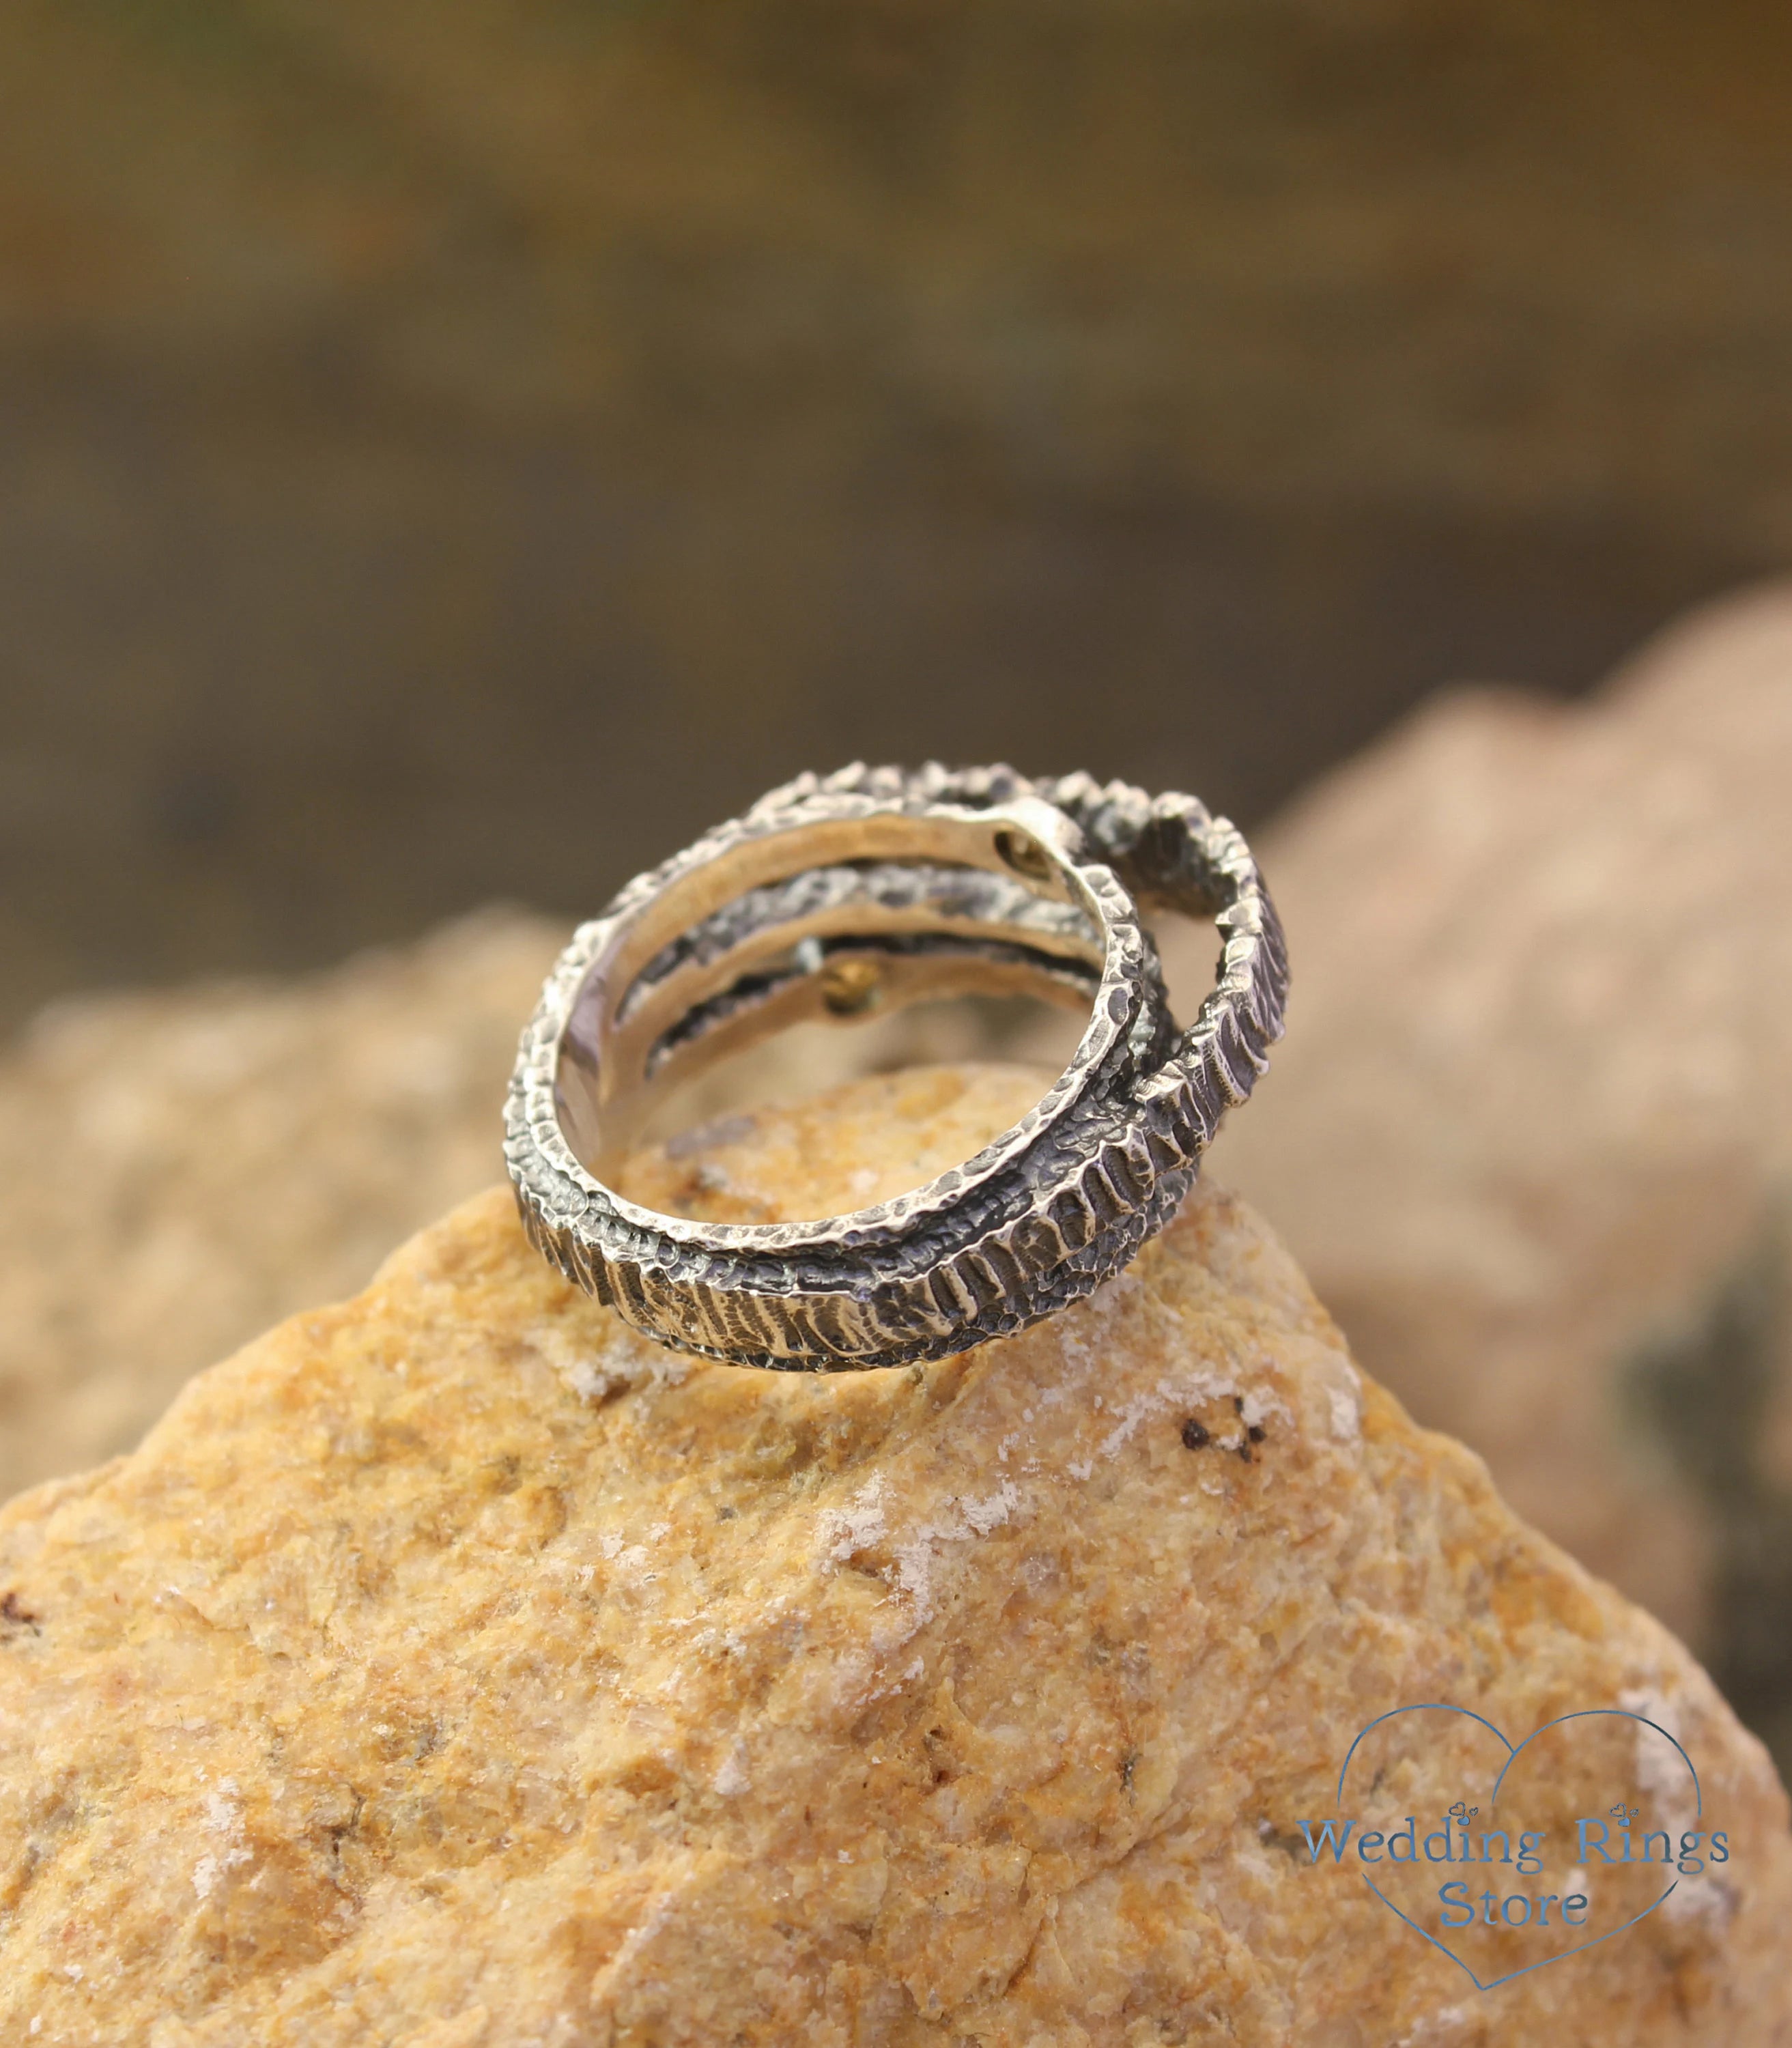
<point x="912" y="885"/>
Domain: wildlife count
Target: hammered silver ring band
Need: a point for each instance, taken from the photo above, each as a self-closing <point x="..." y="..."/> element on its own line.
<point x="881" y="882"/>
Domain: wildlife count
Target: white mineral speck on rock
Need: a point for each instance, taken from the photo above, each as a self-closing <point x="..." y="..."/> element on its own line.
<point x="855" y="1527"/>
<point x="993" y="1510"/>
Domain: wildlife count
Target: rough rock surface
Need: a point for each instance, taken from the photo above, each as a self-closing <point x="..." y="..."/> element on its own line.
<point x="180" y="1168"/>
<point x="452" y="1668"/>
<point x="1530" y="1133"/>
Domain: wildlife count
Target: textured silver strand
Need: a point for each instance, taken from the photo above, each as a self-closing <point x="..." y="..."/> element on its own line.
<point x="903" y="884"/>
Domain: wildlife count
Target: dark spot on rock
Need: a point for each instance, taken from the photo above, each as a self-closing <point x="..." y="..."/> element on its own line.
<point x="1127" y="1767"/>
<point x="1196" y="1435"/>
<point x="1288" y="1843"/>
<point x="1256" y="1433"/>
<point x="341" y="1831"/>
<point x="15" y="1617"/>
<point x="504" y="1473"/>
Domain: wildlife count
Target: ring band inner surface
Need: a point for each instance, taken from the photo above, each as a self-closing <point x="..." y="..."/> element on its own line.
<point x="826" y="919"/>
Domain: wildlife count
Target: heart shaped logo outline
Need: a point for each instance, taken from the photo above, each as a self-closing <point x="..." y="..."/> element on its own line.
<point x="1513" y="1752"/>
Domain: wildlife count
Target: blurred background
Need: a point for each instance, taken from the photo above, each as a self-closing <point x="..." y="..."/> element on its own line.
<point x="460" y="450"/>
<point x="451" y="454"/>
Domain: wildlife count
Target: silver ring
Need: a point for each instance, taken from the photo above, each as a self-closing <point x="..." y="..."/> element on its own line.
<point x="903" y="885"/>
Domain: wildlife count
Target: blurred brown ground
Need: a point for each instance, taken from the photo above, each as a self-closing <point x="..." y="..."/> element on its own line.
<point x="459" y="451"/>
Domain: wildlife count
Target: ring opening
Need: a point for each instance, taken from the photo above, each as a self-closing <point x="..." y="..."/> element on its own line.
<point x="989" y="1058"/>
<point x="942" y="910"/>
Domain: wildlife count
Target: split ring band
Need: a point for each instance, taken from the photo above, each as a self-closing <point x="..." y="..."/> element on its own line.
<point x="881" y="882"/>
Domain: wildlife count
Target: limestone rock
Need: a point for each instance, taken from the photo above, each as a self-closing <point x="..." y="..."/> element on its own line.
<point x="451" y="1668"/>
<point x="180" y="1169"/>
<point x="1530" y="1133"/>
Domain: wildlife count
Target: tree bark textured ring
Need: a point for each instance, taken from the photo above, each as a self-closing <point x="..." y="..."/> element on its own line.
<point x="883" y="883"/>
